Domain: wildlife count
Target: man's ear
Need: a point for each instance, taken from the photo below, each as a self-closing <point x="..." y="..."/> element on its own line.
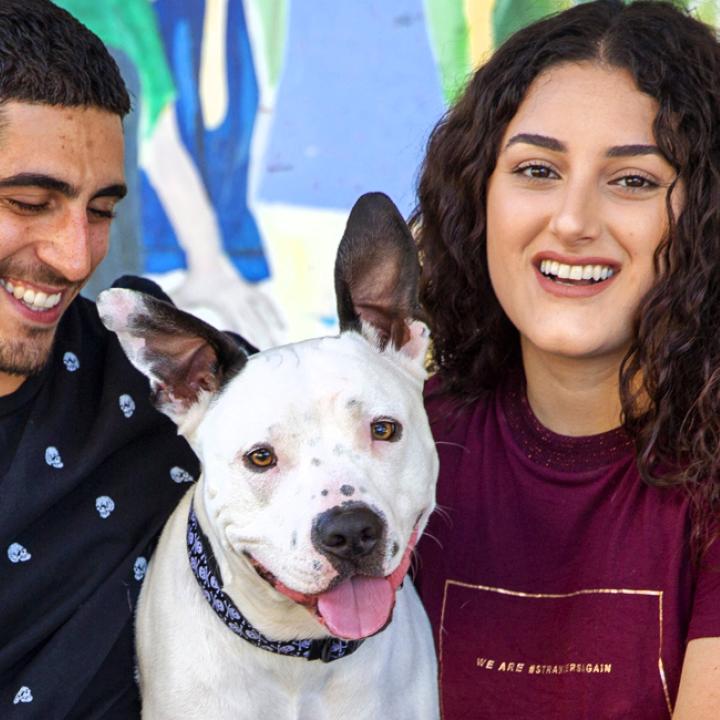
<point x="186" y="360"/>
<point x="377" y="271"/>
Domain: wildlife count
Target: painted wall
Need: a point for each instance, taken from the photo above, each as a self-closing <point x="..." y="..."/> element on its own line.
<point x="256" y="125"/>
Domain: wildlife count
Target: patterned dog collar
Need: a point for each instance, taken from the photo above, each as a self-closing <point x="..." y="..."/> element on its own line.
<point x="207" y="573"/>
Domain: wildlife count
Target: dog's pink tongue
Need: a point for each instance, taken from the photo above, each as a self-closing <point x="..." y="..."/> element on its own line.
<point x="358" y="607"/>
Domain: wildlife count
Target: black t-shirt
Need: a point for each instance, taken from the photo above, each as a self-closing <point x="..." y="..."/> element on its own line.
<point x="89" y="472"/>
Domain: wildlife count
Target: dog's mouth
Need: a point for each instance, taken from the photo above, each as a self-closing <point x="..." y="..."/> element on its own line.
<point x="356" y="607"/>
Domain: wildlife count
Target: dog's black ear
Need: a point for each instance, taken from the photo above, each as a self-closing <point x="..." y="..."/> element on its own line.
<point x="186" y="360"/>
<point x="377" y="271"/>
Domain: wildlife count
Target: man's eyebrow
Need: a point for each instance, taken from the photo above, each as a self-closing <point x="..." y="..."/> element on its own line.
<point x="119" y="191"/>
<point x="46" y="182"/>
<point x="542" y="141"/>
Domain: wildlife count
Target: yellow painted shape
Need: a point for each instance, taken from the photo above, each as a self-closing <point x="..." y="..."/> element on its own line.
<point x="213" y="66"/>
<point x="478" y="14"/>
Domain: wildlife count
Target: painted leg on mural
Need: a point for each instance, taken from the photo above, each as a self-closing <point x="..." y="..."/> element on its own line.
<point x="212" y="287"/>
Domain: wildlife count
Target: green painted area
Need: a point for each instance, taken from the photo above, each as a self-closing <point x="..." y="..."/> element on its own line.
<point x="707" y="11"/>
<point x="273" y="15"/>
<point x="131" y="26"/>
<point x="511" y="15"/>
<point x="449" y="36"/>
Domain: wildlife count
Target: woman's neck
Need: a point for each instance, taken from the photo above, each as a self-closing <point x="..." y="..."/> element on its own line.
<point x="573" y="396"/>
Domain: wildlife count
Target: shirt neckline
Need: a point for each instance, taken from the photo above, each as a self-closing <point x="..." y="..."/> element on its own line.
<point x="549" y="449"/>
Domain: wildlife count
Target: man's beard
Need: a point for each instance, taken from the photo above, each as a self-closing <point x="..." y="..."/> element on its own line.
<point x="27" y="356"/>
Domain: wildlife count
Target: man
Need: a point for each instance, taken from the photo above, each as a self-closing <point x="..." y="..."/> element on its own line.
<point x="88" y="470"/>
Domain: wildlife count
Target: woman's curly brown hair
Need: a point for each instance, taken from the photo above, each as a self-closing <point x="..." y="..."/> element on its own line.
<point x="670" y="378"/>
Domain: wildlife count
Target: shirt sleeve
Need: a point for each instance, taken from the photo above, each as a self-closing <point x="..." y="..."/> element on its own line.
<point x="705" y="621"/>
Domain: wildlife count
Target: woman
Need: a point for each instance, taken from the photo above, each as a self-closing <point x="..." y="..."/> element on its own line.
<point x="569" y="220"/>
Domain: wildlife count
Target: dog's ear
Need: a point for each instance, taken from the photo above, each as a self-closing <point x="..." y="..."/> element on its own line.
<point x="186" y="360"/>
<point x="377" y="273"/>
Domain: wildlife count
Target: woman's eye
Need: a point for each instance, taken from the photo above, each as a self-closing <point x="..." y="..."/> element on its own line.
<point x="260" y="459"/>
<point x="385" y="430"/>
<point x="635" y="182"/>
<point x="537" y="172"/>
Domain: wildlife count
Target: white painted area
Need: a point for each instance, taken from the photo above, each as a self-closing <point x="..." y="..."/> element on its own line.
<point x="181" y="190"/>
<point x="300" y="244"/>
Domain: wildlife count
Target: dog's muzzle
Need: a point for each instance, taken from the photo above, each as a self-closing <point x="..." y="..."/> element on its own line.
<point x="351" y="536"/>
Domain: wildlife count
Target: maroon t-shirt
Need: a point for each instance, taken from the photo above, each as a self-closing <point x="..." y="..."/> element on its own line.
<point x="558" y="584"/>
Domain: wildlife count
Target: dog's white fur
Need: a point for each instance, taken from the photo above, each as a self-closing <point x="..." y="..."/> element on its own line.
<point x="314" y="403"/>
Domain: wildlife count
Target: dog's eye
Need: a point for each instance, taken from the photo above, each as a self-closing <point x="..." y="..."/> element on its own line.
<point x="261" y="458"/>
<point x="386" y="430"/>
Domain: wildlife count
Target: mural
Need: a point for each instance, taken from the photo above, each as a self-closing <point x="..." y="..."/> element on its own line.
<point x="256" y="125"/>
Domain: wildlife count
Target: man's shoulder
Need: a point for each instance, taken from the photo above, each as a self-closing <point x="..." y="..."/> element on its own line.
<point x="83" y="341"/>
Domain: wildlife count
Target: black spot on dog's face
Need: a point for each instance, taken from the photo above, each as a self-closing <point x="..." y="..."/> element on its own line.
<point x="324" y="493"/>
<point x="395" y="549"/>
<point x="293" y="539"/>
<point x="316" y="462"/>
<point x="347" y="490"/>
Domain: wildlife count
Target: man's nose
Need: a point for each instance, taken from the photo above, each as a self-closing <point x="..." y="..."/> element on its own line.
<point x="67" y="247"/>
<point x="576" y="217"/>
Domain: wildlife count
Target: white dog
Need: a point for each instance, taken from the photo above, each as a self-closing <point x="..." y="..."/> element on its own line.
<point x="273" y="587"/>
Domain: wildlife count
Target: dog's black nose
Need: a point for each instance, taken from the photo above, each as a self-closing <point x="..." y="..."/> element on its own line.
<point x="349" y="532"/>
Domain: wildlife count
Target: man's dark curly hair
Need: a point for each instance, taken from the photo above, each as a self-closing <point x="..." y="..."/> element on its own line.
<point x="48" y="57"/>
<point x="670" y="378"/>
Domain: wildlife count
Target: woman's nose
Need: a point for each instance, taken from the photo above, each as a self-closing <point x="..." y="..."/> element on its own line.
<point x="576" y="216"/>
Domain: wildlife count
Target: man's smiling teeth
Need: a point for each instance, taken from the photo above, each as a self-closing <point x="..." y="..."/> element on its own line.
<point x="37" y="301"/>
<point x="561" y="271"/>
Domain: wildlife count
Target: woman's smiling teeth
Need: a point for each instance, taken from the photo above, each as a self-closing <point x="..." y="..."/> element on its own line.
<point x="570" y="274"/>
<point x="35" y="300"/>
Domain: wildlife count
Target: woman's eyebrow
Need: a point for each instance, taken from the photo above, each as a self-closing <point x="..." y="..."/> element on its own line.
<point x="551" y="143"/>
<point x="542" y="141"/>
<point x="632" y="150"/>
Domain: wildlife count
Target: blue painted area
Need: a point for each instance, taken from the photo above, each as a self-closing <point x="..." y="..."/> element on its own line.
<point x="358" y="97"/>
<point x="162" y="251"/>
<point x="221" y="156"/>
<point x="185" y="74"/>
<point x="329" y="321"/>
